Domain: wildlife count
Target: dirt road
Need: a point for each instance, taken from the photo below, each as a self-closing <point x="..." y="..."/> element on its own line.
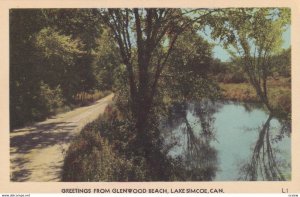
<point x="37" y="152"/>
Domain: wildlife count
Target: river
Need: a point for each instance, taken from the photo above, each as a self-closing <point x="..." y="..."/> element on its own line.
<point x="228" y="141"/>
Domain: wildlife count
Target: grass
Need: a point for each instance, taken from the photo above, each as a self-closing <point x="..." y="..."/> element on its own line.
<point x="279" y="94"/>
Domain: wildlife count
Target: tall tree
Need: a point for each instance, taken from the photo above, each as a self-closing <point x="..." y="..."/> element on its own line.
<point x="253" y="35"/>
<point x="141" y="33"/>
<point x="191" y="63"/>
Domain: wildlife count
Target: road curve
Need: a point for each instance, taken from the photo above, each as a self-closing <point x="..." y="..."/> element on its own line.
<point x="37" y="152"/>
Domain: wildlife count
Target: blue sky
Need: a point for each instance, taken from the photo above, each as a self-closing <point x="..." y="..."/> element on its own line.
<point x="221" y="53"/>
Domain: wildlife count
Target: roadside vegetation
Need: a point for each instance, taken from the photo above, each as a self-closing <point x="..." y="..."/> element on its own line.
<point x="100" y="152"/>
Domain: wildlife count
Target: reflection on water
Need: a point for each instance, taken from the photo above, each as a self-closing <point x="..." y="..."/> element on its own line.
<point x="263" y="164"/>
<point x="225" y="142"/>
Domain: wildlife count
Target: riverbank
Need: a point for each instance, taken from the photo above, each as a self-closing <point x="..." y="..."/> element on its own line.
<point x="279" y="94"/>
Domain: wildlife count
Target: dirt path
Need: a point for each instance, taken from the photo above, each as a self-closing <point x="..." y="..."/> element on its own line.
<point x="37" y="152"/>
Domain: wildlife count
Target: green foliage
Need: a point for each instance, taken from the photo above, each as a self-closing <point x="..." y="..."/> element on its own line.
<point x="253" y="36"/>
<point x="61" y="49"/>
<point x="106" y="61"/>
<point x="49" y="46"/>
<point x="281" y="63"/>
<point x="187" y="77"/>
<point x="52" y="99"/>
<point x="59" y="55"/>
<point x="227" y="72"/>
<point x="84" y="24"/>
<point x="235" y="77"/>
<point x="25" y="75"/>
<point x="106" y="150"/>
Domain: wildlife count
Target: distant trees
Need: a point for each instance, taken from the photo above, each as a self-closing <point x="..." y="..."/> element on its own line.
<point x="107" y="61"/>
<point x="281" y="63"/>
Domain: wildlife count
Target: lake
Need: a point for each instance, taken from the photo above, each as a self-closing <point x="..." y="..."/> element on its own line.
<point x="227" y="141"/>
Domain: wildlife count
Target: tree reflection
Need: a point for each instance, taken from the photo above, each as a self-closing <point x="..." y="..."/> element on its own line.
<point x="263" y="164"/>
<point x="190" y="129"/>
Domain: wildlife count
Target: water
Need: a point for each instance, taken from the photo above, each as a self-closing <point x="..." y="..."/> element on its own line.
<point x="228" y="141"/>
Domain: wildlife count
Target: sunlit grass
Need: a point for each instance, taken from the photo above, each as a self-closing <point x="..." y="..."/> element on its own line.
<point x="279" y="93"/>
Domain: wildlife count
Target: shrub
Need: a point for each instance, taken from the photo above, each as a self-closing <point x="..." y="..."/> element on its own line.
<point x="98" y="154"/>
<point x="52" y="98"/>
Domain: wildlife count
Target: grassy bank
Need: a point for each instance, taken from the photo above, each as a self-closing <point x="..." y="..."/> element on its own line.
<point x="279" y="94"/>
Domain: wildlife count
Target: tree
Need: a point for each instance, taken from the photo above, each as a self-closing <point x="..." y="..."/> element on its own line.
<point x="49" y="51"/>
<point x="191" y="62"/>
<point x="106" y="61"/>
<point x="24" y="73"/>
<point x="83" y="25"/>
<point x="253" y="35"/>
<point x="146" y="39"/>
<point x="62" y="54"/>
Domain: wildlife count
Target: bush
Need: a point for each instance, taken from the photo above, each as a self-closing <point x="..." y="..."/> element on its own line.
<point x="91" y="158"/>
<point x="98" y="154"/>
<point x="51" y="98"/>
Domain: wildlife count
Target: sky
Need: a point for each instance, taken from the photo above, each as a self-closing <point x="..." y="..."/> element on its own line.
<point x="221" y="53"/>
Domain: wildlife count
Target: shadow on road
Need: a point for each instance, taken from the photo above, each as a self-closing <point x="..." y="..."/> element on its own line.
<point x="41" y="137"/>
<point x="38" y="137"/>
<point x="37" y="151"/>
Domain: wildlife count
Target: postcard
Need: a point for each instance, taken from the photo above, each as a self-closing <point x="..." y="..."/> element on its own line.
<point x="149" y="97"/>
